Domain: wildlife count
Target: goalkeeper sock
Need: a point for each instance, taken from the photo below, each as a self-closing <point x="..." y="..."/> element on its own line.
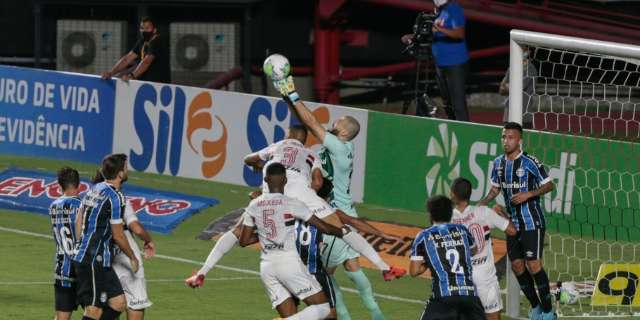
<point x="109" y="314"/>
<point x="542" y="282"/>
<point x="360" y="245"/>
<point x="528" y="288"/>
<point x="366" y="293"/>
<point x="313" y="312"/>
<point x="341" y="307"/>
<point x="224" y="245"/>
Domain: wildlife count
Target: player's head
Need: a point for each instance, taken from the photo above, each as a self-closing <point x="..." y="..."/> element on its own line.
<point x="298" y="132"/>
<point x="69" y="180"/>
<point x="346" y="128"/>
<point x="276" y="177"/>
<point x="460" y="190"/>
<point x="511" y="136"/>
<point x="114" y="168"/>
<point x="440" y="208"/>
<point x="147" y="28"/>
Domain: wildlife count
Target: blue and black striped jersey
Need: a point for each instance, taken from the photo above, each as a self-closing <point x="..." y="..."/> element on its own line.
<point x="102" y="206"/>
<point x="63" y="213"/>
<point x="308" y="243"/>
<point x="524" y="173"/>
<point x="446" y="251"/>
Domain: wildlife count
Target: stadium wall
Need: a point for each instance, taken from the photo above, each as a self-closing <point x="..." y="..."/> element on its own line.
<point x="597" y="181"/>
<point x="204" y="134"/>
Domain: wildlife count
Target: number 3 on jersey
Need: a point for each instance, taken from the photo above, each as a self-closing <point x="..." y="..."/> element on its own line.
<point x="454" y="261"/>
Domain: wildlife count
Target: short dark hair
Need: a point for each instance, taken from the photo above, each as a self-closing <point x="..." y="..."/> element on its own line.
<point x="68" y="177"/>
<point x="276" y="169"/>
<point x="299" y="129"/>
<point x="440" y="208"/>
<point x="148" y="19"/>
<point x="461" y="187"/>
<point x="513" y="125"/>
<point x="111" y="165"/>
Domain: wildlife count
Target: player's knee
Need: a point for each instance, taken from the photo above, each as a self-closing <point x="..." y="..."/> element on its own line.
<point x="534" y="266"/>
<point x="62" y="315"/>
<point x="333" y="314"/>
<point x="93" y="312"/>
<point x="118" y="303"/>
<point x="237" y="231"/>
<point x="351" y="265"/>
<point x="493" y="316"/>
<point x="517" y="266"/>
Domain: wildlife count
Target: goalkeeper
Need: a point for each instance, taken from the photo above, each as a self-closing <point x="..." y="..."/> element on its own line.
<point x="337" y="162"/>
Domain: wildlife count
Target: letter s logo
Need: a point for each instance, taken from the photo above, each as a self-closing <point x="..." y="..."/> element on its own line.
<point x="213" y="151"/>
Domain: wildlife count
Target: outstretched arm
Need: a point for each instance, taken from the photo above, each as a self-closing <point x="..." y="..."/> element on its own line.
<point x="362" y="225"/>
<point x="287" y="89"/>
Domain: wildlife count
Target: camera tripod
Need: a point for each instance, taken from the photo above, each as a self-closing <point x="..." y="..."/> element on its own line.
<point x="425" y="106"/>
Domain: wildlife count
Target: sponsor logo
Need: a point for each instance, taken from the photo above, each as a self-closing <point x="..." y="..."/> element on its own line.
<point x="103" y="297"/>
<point x="446" y="164"/>
<point x="267" y="123"/>
<point x="529" y="254"/>
<point x="159" y="117"/>
<point x="303" y="291"/>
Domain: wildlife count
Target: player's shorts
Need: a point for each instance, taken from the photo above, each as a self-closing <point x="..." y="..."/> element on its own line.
<point x="488" y="287"/>
<point x="454" y="308"/>
<point x="66" y="298"/>
<point x="526" y="245"/>
<point x="286" y="277"/>
<point x="134" y="285"/>
<point x="96" y="284"/>
<point x="327" y="287"/>
<point x="318" y="206"/>
<point x="335" y="251"/>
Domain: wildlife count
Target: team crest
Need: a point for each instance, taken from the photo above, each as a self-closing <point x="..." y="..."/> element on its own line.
<point x="103" y="297"/>
<point x="520" y="172"/>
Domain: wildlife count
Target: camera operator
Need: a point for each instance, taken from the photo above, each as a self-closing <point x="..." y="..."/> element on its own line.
<point x="450" y="55"/>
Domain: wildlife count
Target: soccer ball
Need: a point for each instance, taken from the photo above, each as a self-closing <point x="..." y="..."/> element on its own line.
<point x="276" y="67"/>
<point x="568" y="293"/>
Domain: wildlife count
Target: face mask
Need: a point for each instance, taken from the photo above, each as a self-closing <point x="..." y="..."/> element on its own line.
<point x="146" y="35"/>
<point x="440" y="3"/>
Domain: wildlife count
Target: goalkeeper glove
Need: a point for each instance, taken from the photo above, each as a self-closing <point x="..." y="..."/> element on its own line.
<point x="287" y="88"/>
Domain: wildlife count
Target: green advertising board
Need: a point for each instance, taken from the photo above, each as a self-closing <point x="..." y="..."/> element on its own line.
<point x="597" y="181"/>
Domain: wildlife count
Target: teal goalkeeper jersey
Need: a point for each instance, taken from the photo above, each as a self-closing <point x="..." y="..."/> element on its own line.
<point x="337" y="164"/>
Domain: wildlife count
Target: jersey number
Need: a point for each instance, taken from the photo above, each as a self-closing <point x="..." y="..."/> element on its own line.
<point x="454" y="261"/>
<point x="290" y="155"/>
<point x="269" y="224"/>
<point x="304" y="236"/>
<point x="478" y="234"/>
<point x="64" y="239"/>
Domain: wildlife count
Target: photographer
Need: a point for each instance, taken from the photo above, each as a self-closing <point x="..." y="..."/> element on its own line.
<point x="450" y="55"/>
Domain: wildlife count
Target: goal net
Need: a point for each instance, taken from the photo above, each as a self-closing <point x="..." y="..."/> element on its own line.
<point x="588" y="92"/>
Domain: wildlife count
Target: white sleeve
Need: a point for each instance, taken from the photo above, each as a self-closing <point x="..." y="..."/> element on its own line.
<point x="248" y="219"/>
<point x="129" y="215"/>
<point x="495" y="220"/>
<point x="317" y="163"/>
<point x="301" y="211"/>
<point x="266" y="153"/>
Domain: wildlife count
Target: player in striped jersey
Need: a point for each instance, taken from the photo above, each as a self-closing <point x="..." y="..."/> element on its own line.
<point x="101" y="225"/>
<point x="63" y="213"/>
<point x="479" y="220"/>
<point x="522" y="180"/>
<point x="446" y="249"/>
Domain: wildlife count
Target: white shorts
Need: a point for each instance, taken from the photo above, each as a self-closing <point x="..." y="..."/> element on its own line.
<point x="285" y="277"/>
<point x="488" y="288"/>
<point x="318" y="206"/>
<point x="134" y="285"/>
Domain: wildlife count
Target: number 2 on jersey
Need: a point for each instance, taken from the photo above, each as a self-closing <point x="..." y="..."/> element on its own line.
<point x="454" y="261"/>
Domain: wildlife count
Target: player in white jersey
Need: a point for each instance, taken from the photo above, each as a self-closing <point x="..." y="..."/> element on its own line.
<point x="282" y="271"/>
<point x="479" y="220"/>
<point x="134" y="283"/>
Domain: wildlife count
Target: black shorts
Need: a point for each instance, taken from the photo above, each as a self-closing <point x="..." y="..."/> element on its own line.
<point x="526" y="245"/>
<point x="454" y="308"/>
<point x="327" y="287"/>
<point x="66" y="299"/>
<point x="96" y="284"/>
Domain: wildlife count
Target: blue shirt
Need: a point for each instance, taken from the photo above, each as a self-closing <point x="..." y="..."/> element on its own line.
<point x="308" y="244"/>
<point x="447" y="51"/>
<point x="524" y="173"/>
<point x="102" y="206"/>
<point x="63" y="213"/>
<point x="446" y="250"/>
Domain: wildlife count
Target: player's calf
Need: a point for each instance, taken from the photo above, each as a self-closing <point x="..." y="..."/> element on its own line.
<point x="62" y="315"/>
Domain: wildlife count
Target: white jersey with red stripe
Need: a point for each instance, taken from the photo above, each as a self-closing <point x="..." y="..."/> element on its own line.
<point x="479" y="220"/>
<point x="297" y="159"/>
<point x="274" y="215"/>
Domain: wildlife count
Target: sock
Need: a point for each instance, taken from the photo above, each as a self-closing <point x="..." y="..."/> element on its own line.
<point x="528" y="288"/>
<point x="366" y="293"/>
<point x="312" y="312"/>
<point x="223" y="245"/>
<point x="341" y="307"/>
<point x="542" y="282"/>
<point x="359" y="244"/>
<point x="109" y="314"/>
